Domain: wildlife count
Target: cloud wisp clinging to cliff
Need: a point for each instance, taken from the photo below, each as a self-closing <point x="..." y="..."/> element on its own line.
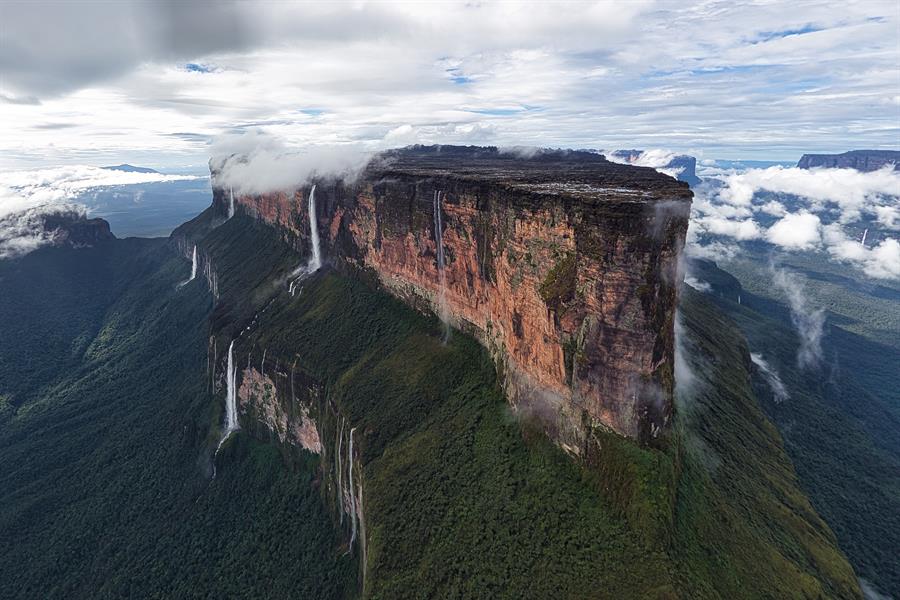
<point x="256" y="163"/>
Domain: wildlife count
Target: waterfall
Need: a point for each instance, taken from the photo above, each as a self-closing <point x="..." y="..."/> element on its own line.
<point x="315" y="256"/>
<point x="340" y="482"/>
<point x="315" y="260"/>
<point x="231" y="202"/>
<point x="231" y="422"/>
<point x="439" y="246"/>
<point x="193" y="270"/>
<point x="352" y="494"/>
<point x="194" y="264"/>
<point x="362" y="535"/>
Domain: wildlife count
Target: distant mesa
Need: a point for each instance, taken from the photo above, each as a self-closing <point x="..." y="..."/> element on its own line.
<point x="72" y="229"/>
<point x="861" y="160"/>
<point x="131" y="169"/>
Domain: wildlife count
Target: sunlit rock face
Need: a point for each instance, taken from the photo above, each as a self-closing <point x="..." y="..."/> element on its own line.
<point x="286" y="418"/>
<point x="564" y="266"/>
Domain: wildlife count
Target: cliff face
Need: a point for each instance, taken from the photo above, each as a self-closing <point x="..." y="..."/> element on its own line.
<point x="861" y="160"/>
<point x="74" y="230"/>
<point x="564" y="265"/>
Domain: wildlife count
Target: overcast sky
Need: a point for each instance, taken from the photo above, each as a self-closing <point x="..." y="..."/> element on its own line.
<point x="154" y="83"/>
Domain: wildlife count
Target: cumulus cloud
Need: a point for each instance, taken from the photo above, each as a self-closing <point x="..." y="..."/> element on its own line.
<point x="808" y="322"/>
<point x="771" y="376"/>
<point x="881" y="261"/>
<point x="849" y="190"/>
<point x="133" y="78"/>
<point x="256" y="163"/>
<point x="26" y="197"/>
<point x="799" y="231"/>
<point x="812" y="210"/>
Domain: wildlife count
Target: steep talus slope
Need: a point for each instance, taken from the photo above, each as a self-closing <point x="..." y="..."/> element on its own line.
<point x="461" y="499"/>
<point x="738" y="494"/>
<point x="840" y="420"/>
<point x="374" y="458"/>
<point x="105" y="442"/>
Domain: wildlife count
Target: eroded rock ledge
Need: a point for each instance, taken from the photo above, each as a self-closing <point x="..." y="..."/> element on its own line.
<point x="564" y="265"/>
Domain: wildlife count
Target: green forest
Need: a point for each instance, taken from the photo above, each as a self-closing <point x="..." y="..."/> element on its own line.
<point x="107" y="476"/>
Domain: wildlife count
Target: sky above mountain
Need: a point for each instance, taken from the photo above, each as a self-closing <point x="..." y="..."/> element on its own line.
<point x="157" y="83"/>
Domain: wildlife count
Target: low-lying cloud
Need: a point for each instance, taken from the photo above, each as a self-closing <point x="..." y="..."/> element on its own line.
<point x="256" y="163"/>
<point x="26" y="197"/>
<point x="655" y="158"/>
<point x="802" y="210"/>
<point x="771" y="376"/>
<point x="808" y="322"/>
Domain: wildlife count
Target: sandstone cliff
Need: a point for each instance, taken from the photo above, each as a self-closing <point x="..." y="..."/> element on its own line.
<point x="72" y="229"/>
<point x="564" y="265"/>
<point x="861" y="160"/>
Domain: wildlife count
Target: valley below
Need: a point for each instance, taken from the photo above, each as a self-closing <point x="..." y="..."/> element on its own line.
<point x="336" y="394"/>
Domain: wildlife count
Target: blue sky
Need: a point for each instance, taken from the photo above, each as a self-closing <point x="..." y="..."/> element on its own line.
<point x="158" y="83"/>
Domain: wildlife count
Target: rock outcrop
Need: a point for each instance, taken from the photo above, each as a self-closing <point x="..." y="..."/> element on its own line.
<point x="72" y="229"/>
<point x="861" y="160"/>
<point x="563" y="264"/>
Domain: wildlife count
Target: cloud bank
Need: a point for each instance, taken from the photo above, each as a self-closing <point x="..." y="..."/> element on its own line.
<point x="27" y="196"/>
<point x="153" y="82"/>
<point x="256" y="163"/>
<point x="802" y="210"/>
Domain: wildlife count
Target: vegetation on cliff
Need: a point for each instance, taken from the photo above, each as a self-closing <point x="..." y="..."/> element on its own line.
<point x="841" y="420"/>
<point x="109" y="488"/>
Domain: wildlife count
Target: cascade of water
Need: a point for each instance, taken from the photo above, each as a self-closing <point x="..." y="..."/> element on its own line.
<point x="315" y="255"/>
<point x="194" y="264"/>
<point x="315" y="260"/>
<point x="340" y="478"/>
<point x="231" y="202"/>
<point x="362" y="534"/>
<point x="352" y="494"/>
<point x="439" y="246"/>
<point x="231" y="422"/>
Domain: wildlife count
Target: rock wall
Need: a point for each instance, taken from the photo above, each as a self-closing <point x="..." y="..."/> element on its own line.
<point x="861" y="160"/>
<point x="563" y="265"/>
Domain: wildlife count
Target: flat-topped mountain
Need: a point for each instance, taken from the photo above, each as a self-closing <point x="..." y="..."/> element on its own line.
<point x="130" y="168"/>
<point x="861" y="160"/>
<point x="574" y="173"/>
<point x="561" y="263"/>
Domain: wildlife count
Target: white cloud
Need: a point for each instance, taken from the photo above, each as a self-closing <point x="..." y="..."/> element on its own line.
<point x="27" y="196"/>
<point x="110" y="82"/>
<point x="850" y="190"/>
<point x="256" y="163"/>
<point x="815" y="207"/>
<point x="798" y="231"/>
<point x="771" y="376"/>
<point x="740" y="230"/>
<point x="808" y="322"/>
<point x="655" y="158"/>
